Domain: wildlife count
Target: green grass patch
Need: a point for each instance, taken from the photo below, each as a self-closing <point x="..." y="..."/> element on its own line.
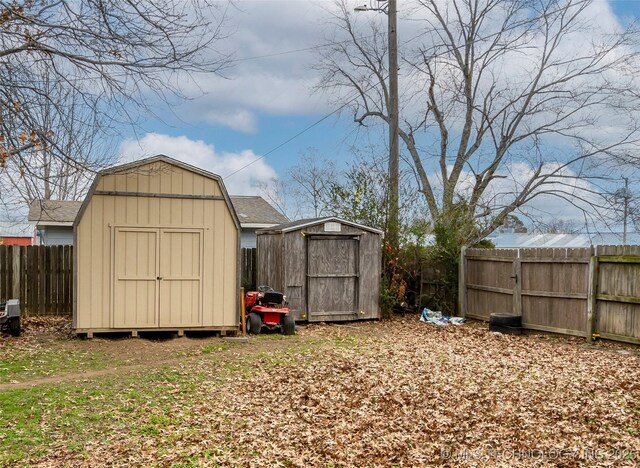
<point x="348" y="341"/>
<point x="273" y="336"/>
<point x="34" y="420"/>
<point x="221" y="346"/>
<point x="25" y="364"/>
<point x="149" y="403"/>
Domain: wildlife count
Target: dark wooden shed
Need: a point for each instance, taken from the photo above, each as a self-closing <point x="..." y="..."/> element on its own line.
<point x="328" y="268"/>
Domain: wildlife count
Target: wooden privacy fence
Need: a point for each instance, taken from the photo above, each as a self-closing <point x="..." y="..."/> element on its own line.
<point x="573" y="291"/>
<point x="41" y="277"/>
<point x="248" y="268"/>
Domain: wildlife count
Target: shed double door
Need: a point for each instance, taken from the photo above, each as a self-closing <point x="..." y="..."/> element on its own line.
<point x="157" y="278"/>
<point x="332" y="276"/>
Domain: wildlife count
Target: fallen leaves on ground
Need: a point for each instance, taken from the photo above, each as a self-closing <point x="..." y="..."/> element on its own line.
<point x="34" y="328"/>
<point x="394" y="393"/>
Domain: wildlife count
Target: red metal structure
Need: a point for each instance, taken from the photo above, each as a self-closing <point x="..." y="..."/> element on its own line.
<point x="15" y="240"/>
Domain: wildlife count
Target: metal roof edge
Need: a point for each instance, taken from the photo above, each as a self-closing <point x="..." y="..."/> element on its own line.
<point x="316" y="221"/>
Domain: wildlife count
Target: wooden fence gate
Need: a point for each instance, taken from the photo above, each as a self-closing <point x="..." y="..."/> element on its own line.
<point x="573" y="291"/>
<point x="40" y="276"/>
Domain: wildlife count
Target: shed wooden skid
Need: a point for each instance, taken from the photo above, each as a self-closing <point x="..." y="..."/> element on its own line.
<point x="157" y="248"/>
<point x="328" y="268"/>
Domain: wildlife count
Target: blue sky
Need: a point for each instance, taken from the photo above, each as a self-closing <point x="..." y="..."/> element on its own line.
<point x="626" y="7"/>
<point x="264" y="102"/>
<point x="287" y="104"/>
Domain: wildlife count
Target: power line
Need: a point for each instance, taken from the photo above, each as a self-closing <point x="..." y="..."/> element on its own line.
<point x="306" y="129"/>
<point x="294" y="51"/>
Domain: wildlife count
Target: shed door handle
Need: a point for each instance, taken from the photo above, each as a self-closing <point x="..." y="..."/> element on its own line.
<point x="159" y="277"/>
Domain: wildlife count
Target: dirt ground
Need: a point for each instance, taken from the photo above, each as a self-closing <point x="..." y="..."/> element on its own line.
<point x="398" y="393"/>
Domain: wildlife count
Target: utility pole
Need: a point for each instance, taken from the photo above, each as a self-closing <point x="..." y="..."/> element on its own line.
<point x="394" y="153"/>
<point x="393" y="221"/>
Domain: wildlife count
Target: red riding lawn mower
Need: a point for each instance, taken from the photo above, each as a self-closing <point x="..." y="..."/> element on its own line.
<point x="268" y="308"/>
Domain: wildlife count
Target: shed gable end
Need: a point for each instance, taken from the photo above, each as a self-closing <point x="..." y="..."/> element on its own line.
<point x="158" y="178"/>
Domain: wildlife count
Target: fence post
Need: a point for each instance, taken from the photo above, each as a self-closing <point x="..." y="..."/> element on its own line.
<point x="16" y="277"/>
<point x="462" y="283"/>
<point x="592" y="295"/>
<point x="243" y="319"/>
<point x="517" y="287"/>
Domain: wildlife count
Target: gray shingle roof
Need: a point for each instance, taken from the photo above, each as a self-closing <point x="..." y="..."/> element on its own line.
<point x="256" y="210"/>
<point x="56" y="211"/>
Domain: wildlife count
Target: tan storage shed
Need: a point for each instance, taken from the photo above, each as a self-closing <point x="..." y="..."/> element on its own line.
<point x="156" y="248"/>
<point x="328" y="268"/>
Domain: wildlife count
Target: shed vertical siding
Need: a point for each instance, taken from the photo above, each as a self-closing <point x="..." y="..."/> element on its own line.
<point x="105" y="212"/>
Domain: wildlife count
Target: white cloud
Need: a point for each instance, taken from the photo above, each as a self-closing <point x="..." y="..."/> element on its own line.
<point x="205" y="156"/>
<point x="272" y="85"/>
<point x="241" y="120"/>
<point x="281" y="83"/>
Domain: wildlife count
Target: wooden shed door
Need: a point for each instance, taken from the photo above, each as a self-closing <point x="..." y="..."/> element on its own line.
<point x="181" y="278"/>
<point x="135" y="278"/>
<point x="158" y="278"/>
<point x="332" y="272"/>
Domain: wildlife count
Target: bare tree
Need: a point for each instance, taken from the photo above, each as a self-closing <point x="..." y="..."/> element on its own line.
<point x="504" y="101"/>
<point x="304" y="190"/>
<point x="278" y="194"/>
<point x="625" y="207"/>
<point x="114" y="56"/>
<point x="557" y="226"/>
<point x="312" y="178"/>
<point x="44" y="171"/>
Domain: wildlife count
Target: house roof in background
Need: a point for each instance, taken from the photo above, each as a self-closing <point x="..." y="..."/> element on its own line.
<point x="53" y="211"/>
<point x="516" y="240"/>
<point x="256" y="210"/>
<point x="15" y="229"/>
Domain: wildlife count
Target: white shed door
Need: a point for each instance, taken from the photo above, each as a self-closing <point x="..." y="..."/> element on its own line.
<point x="135" y="280"/>
<point x="181" y="278"/>
<point x="157" y="278"/>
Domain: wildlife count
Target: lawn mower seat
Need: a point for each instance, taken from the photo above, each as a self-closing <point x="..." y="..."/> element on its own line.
<point x="272" y="297"/>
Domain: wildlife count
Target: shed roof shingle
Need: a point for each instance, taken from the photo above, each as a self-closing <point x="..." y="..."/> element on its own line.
<point x="56" y="211"/>
<point x="256" y="210"/>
